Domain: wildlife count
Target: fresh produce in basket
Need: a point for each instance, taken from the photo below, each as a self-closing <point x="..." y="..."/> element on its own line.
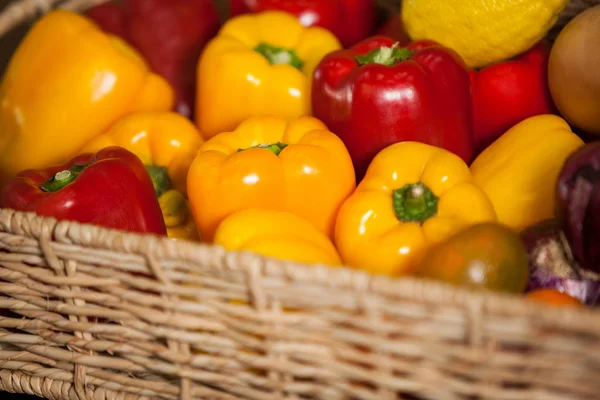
<point x="349" y="20"/>
<point x="413" y="196"/>
<point x="486" y="255"/>
<point x="167" y="143"/>
<point x="578" y="205"/>
<point x="564" y="251"/>
<point x="66" y="83"/>
<point x="110" y="188"/>
<point x="552" y="297"/>
<point x="378" y="93"/>
<point x="169" y="34"/>
<point x="277" y="234"/>
<point x="519" y="171"/>
<point x="259" y="64"/>
<point x="552" y="266"/>
<point x="267" y="162"/>
<point x="237" y="7"/>
<point x="483" y="32"/>
<point x="178" y="215"/>
<point x="506" y="93"/>
<point x="110" y="16"/>
<point x="287" y="122"/>
<point x="355" y="208"/>
<point x="573" y="71"/>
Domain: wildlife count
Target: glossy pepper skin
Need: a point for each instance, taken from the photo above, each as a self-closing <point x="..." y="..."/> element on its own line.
<point x="110" y="188"/>
<point x="169" y="34"/>
<point x="277" y="234"/>
<point x="259" y="64"/>
<point x="67" y="83"/>
<point x="413" y="196"/>
<point x="505" y="94"/>
<point x="267" y="162"/>
<point x="519" y="171"/>
<point x="163" y="139"/>
<point x="167" y="143"/>
<point x="349" y="20"/>
<point x="376" y="94"/>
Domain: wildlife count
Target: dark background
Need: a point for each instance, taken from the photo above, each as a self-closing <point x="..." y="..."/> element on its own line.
<point x="8" y="44"/>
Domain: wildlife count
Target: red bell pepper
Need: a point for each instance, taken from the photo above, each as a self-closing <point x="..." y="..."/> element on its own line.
<point x="111" y="188"/>
<point x="376" y="94"/>
<point x="507" y="93"/>
<point x="110" y="17"/>
<point x="169" y="34"/>
<point x="349" y="20"/>
<point x="237" y="7"/>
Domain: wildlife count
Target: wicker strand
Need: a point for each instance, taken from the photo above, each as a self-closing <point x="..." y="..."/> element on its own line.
<point x="173" y="345"/>
<point x="59" y="269"/>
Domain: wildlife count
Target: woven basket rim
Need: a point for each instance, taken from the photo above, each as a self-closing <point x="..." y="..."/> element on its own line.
<point x="20" y="11"/>
<point x="345" y="278"/>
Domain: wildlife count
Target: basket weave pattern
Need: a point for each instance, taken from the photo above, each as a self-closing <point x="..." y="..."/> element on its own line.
<point x="101" y="314"/>
<point x="98" y="314"/>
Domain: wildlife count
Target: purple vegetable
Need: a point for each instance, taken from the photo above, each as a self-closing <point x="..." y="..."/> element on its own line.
<point x="551" y="264"/>
<point x="578" y="205"/>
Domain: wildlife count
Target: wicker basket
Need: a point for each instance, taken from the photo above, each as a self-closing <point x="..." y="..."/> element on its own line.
<point x="90" y="313"/>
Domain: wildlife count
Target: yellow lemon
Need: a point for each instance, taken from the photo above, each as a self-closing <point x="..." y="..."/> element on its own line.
<point x="483" y="32"/>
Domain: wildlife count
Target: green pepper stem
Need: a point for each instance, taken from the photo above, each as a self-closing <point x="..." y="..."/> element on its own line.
<point x="274" y="148"/>
<point x="414" y="202"/>
<point x="62" y="178"/>
<point x="279" y="55"/>
<point x="160" y="179"/>
<point x="385" y="55"/>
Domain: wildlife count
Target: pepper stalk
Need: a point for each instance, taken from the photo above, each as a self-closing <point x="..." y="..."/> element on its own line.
<point x="279" y="55"/>
<point x="385" y="55"/>
<point x="414" y="202"/>
<point x="62" y="178"/>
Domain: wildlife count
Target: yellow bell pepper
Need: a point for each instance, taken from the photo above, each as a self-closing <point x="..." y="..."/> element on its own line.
<point x="413" y="196"/>
<point x="258" y="64"/>
<point x="167" y="143"/>
<point x="277" y="234"/>
<point x="520" y="169"/>
<point x="268" y="162"/>
<point x="67" y="83"/>
<point x="157" y="138"/>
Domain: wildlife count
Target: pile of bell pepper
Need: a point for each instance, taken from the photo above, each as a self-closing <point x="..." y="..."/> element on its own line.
<point x="293" y="129"/>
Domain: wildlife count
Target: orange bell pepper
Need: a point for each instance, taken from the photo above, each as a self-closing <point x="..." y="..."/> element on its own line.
<point x="268" y="162"/>
<point x="67" y="83"/>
